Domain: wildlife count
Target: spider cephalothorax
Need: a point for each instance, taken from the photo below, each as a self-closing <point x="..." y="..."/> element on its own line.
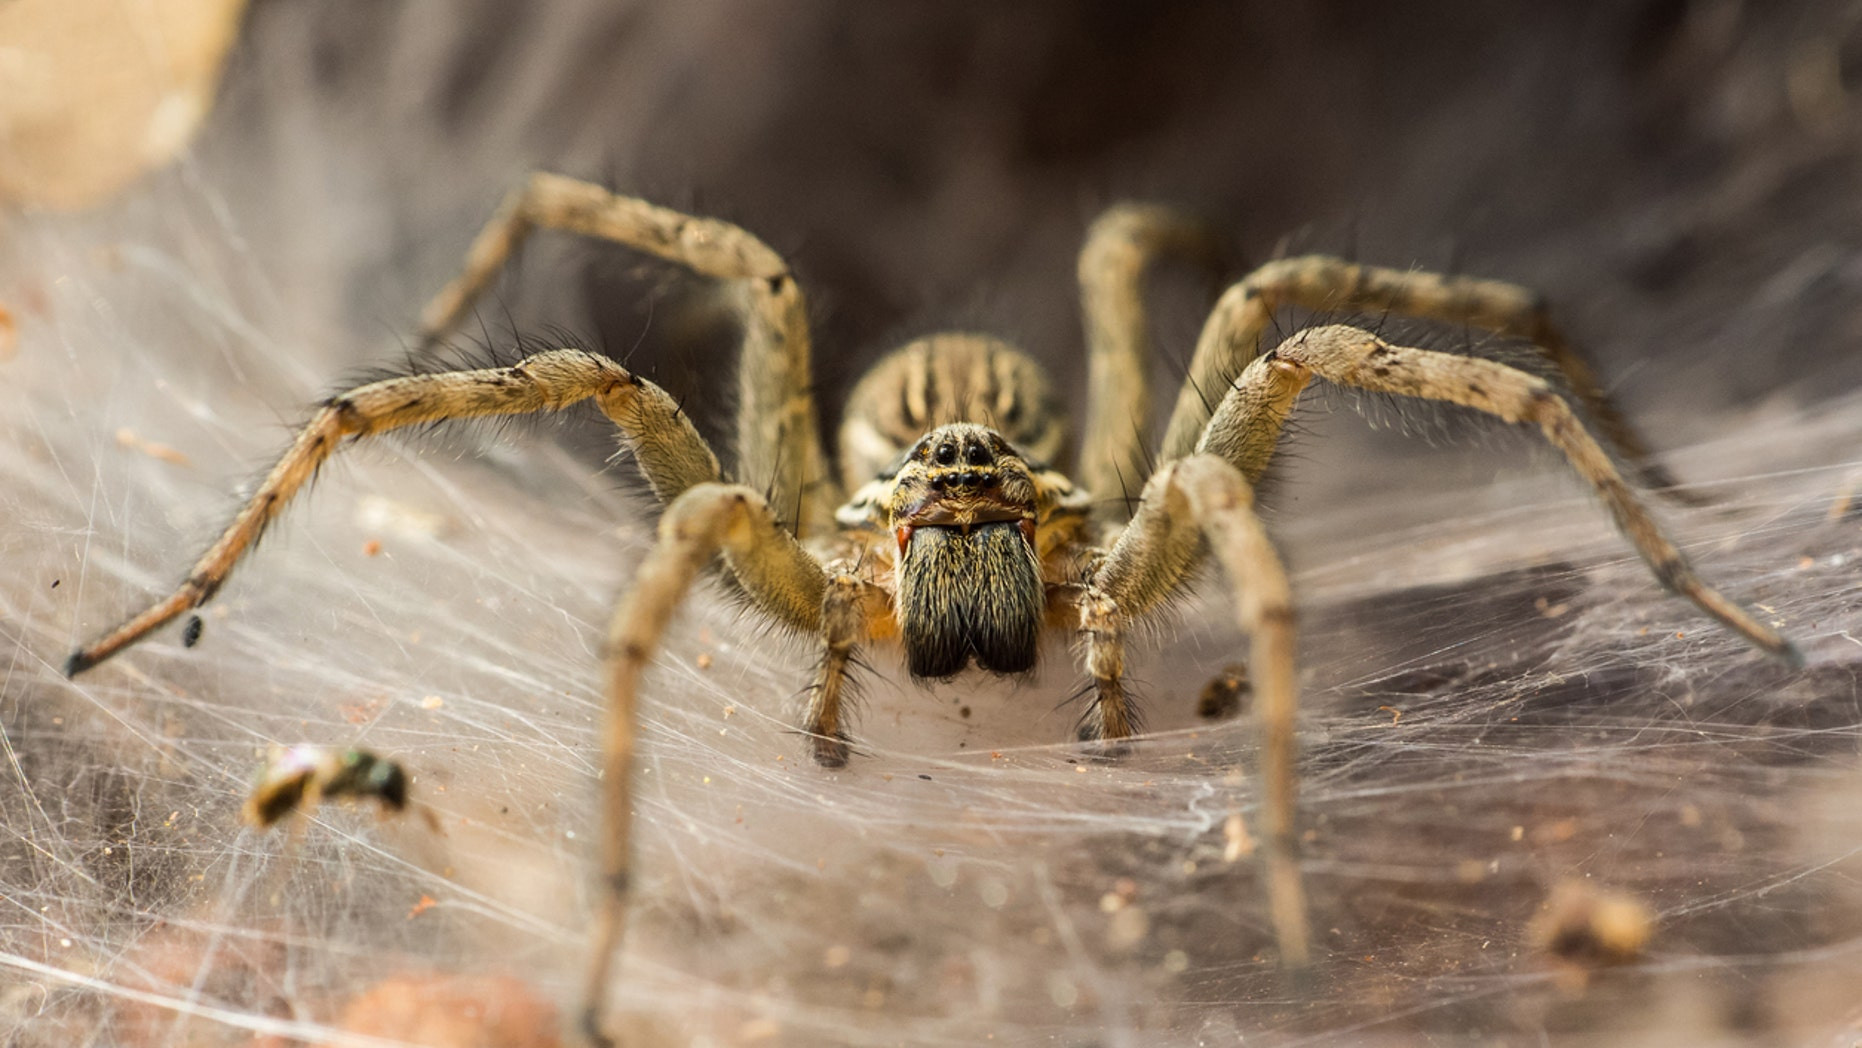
<point x="962" y="538"/>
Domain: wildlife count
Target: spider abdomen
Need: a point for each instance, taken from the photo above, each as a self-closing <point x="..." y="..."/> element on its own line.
<point x="970" y="595"/>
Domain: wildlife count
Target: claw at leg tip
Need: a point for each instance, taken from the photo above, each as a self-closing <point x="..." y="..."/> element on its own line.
<point x="591" y="1029"/>
<point x="1096" y="747"/>
<point x="78" y="663"/>
<point x="831" y="751"/>
<point x="1789" y="654"/>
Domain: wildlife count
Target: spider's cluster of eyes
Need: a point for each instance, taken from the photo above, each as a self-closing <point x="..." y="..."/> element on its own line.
<point x="963" y="479"/>
<point x="975" y="454"/>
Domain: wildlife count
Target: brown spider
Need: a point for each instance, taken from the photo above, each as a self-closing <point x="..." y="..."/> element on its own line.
<point x="949" y="530"/>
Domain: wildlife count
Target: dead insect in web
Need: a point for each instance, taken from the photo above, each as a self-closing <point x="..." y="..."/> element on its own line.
<point x="190" y="631"/>
<point x="301" y="777"/>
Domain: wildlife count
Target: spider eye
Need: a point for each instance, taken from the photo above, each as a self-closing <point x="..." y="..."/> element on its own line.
<point x="977" y="455"/>
<point x="946" y="454"/>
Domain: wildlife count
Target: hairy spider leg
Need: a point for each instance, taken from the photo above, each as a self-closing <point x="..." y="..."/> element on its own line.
<point x="1120" y="247"/>
<point x="671" y="453"/>
<point x="1166" y="538"/>
<point x="1203" y="502"/>
<point x="849" y="609"/>
<point x="707" y="519"/>
<point x="779" y="448"/>
<point x="1191" y="506"/>
<point x="1354" y="357"/>
<point x="1232" y="337"/>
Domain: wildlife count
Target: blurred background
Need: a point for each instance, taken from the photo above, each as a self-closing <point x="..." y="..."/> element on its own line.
<point x="186" y="263"/>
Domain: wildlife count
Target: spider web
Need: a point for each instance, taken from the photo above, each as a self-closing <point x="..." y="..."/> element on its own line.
<point x="1497" y="700"/>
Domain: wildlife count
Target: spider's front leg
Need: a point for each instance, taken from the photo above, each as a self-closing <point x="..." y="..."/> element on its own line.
<point x="670" y="452"/>
<point x="1203" y="503"/>
<point x="777" y="573"/>
<point x="1159" y="550"/>
<point x="848" y="605"/>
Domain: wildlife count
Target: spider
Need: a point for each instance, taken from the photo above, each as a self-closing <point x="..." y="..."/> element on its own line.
<point x="949" y="528"/>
